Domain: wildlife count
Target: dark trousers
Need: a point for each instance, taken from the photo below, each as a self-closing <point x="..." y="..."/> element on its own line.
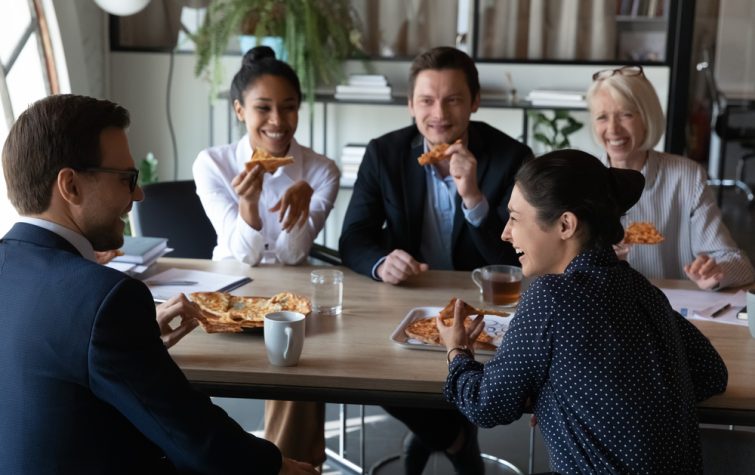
<point x="436" y="428"/>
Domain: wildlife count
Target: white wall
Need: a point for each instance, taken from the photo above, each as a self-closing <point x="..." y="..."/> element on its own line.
<point x="139" y="82"/>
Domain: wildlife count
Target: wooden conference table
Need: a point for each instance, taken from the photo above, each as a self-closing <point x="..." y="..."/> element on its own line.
<point x="351" y="359"/>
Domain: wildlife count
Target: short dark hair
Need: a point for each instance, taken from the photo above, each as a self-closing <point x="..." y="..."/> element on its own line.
<point x="446" y="57"/>
<point x="258" y="62"/>
<point x="61" y="131"/>
<point x="575" y="181"/>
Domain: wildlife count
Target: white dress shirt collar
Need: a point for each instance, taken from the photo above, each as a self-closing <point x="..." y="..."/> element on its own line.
<point x="78" y="241"/>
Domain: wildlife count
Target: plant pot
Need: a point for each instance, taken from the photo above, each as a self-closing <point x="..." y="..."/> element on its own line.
<point x="247" y="42"/>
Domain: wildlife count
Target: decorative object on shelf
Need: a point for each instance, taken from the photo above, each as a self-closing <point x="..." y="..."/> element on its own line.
<point x="122" y="7"/>
<point x="317" y="36"/>
<point x="552" y="133"/>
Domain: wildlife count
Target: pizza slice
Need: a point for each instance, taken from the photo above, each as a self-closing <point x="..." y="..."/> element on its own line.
<point x="466" y="310"/>
<point x="293" y="302"/>
<point x="213" y="304"/>
<point x="426" y="331"/>
<point x="436" y="154"/>
<point x="641" y="232"/>
<point x="268" y="162"/>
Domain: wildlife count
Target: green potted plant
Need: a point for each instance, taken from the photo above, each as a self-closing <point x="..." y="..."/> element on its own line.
<point x="317" y="36"/>
<point x="553" y="132"/>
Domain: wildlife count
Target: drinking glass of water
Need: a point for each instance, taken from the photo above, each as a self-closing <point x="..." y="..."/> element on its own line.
<point x="327" y="291"/>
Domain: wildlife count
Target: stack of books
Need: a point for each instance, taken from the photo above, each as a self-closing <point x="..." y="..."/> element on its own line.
<point x="139" y="253"/>
<point x="351" y="158"/>
<point x="557" y="98"/>
<point x="364" y="87"/>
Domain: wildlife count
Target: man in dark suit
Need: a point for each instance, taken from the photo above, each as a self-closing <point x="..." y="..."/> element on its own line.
<point x="404" y="218"/>
<point x="87" y="383"/>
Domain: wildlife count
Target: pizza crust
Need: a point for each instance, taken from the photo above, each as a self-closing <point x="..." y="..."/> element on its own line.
<point x="268" y="162"/>
<point x="436" y="154"/>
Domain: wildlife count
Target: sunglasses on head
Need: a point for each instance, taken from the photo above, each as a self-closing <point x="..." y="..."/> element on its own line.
<point x="624" y="71"/>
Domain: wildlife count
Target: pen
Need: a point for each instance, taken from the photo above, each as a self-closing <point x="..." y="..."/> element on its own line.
<point x="170" y="282"/>
<point x="721" y="310"/>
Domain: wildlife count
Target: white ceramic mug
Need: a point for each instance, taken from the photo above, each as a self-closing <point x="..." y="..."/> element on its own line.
<point x="751" y="311"/>
<point x="284" y="337"/>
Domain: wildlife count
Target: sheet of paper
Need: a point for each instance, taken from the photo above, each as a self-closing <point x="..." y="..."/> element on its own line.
<point x="701" y="304"/>
<point x="204" y="282"/>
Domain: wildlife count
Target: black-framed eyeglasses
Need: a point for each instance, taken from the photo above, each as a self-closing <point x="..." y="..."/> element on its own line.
<point x="132" y="173"/>
<point x="624" y="71"/>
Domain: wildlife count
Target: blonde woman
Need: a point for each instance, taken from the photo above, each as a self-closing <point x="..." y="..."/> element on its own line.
<point x="628" y="121"/>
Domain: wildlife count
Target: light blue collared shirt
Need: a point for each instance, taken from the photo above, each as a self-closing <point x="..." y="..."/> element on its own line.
<point x="438" y="221"/>
<point x="78" y="241"/>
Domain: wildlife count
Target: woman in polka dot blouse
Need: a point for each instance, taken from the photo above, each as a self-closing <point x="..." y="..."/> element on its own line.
<point x="611" y="372"/>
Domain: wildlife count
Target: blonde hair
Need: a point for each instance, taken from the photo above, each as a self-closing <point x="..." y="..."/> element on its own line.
<point x="636" y="94"/>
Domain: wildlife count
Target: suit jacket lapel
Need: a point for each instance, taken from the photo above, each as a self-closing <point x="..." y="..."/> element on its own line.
<point x="415" y="190"/>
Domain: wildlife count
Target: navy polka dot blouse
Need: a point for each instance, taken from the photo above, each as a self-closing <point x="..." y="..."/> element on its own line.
<point x="612" y="373"/>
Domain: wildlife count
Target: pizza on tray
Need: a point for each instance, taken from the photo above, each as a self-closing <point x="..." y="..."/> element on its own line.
<point x="268" y="162"/>
<point x="436" y="154"/>
<point x="426" y="330"/>
<point x="222" y="312"/>
<point x="642" y="233"/>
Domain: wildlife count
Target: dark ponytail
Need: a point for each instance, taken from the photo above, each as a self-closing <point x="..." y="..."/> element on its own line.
<point x="575" y="181"/>
<point x="257" y="62"/>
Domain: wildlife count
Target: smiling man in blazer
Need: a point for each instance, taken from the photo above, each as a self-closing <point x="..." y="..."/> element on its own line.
<point x="88" y="385"/>
<point x="405" y="218"/>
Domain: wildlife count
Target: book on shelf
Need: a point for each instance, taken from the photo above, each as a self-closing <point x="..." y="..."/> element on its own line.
<point x="367" y="80"/>
<point x="142" y="249"/>
<point x="557" y="98"/>
<point x="352" y="153"/>
<point x="359" y="89"/>
<point x="362" y="97"/>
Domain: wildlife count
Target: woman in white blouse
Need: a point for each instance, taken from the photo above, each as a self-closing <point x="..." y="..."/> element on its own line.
<point x="253" y="211"/>
<point x="277" y="215"/>
<point x="628" y="122"/>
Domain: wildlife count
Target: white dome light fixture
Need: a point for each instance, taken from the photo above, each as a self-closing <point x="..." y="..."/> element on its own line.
<point x="122" y="7"/>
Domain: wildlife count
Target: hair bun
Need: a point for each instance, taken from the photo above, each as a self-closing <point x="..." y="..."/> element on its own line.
<point x="626" y="186"/>
<point x="258" y="53"/>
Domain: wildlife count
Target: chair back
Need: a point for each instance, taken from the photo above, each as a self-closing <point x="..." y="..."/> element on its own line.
<point x="718" y="99"/>
<point x="172" y="209"/>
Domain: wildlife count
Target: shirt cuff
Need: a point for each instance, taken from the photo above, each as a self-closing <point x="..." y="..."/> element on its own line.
<point x="477" y="214"/>
<point x="375" y="268"/>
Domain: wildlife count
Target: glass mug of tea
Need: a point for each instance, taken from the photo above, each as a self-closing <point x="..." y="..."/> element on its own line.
<point x="500" y="285"/>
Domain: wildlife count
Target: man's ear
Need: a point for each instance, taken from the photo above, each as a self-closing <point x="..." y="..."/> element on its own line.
<point x="69" y="186"/>
<point x="568" y="224"/>
<point x="476" y="102"/>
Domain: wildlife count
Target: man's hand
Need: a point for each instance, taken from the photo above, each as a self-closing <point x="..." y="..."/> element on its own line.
<point x="103" y="257"/>
<point x="294" y="467"/>
<point x="463" y="168"/>
<point x="457" y="334"/>
<point x="398" y="266"/>
<point x="248" y="185"/>
<point x="705" y="272"/>
<point x="294" y="205"/>
<point x="177" y="307"/>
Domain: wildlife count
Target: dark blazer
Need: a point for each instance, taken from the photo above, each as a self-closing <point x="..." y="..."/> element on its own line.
<point x="87" y="385"/>
<point x="387" y="206"/>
